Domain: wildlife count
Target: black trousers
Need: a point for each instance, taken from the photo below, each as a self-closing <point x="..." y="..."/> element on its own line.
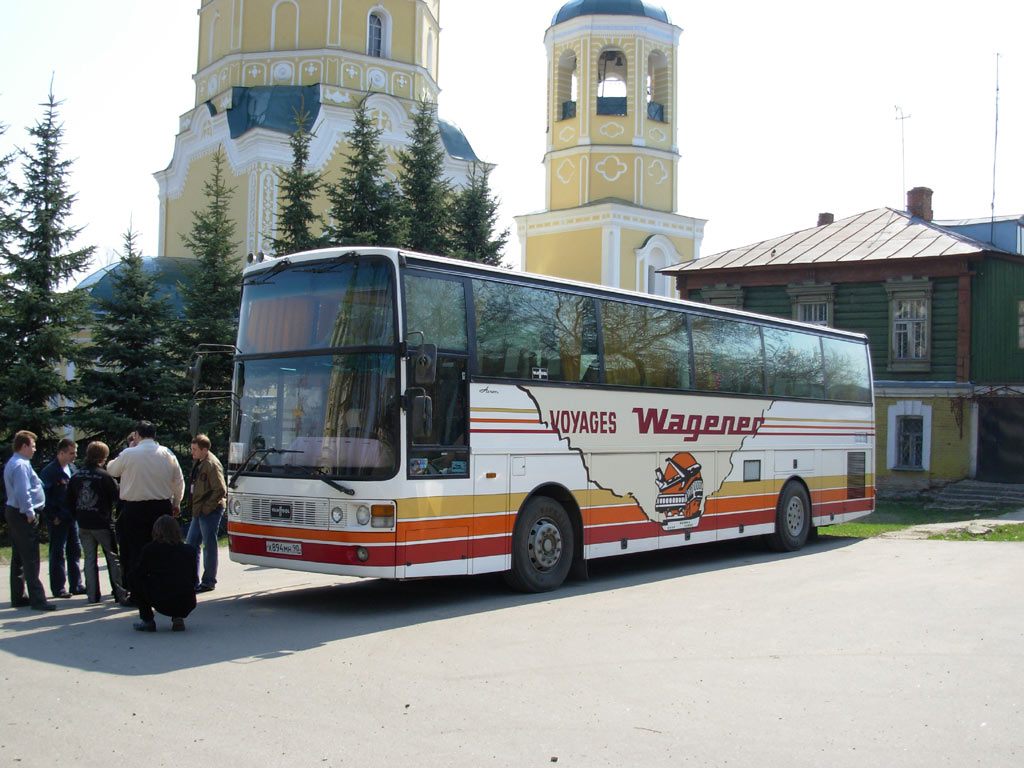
<point x="24" y="558"/>
<point x="135" y="527"/>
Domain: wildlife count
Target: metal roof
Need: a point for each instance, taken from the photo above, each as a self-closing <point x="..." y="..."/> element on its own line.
<point x="880" y="234"/>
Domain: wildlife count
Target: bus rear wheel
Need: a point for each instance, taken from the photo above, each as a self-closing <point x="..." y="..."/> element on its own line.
<point x="542" y="546"/>
<point x="792" y="519"/>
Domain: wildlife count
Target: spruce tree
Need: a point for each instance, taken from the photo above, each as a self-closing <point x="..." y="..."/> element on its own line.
<point x="131" y="377"/>
<point x="475" y="215"/>
<point x="211" y="295"/>
<point x="363" y="202"/>
<point x="41" y="319"/>
<point x="426" y="194"/>
<point x="298" y="189"/>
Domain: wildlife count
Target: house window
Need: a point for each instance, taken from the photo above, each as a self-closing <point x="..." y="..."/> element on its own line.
<point x="910" y="305"/>
<point x="812" y="302"/>
<point x="909" y="440"/>
<point x="375" y="36"/>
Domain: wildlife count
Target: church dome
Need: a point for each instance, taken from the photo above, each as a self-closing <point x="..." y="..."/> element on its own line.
<point x="575" y="8"/>
<point x="167" y="270"/>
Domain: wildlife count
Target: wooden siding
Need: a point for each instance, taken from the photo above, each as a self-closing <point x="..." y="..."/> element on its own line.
<point x="996" y="357"/>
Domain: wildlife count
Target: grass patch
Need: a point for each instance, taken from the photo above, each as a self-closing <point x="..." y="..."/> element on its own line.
<point x="895" y="515"/>
<point x="1009" y="532"/>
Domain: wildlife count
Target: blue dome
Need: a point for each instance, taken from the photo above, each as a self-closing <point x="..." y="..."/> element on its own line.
<point x="575" y="8"/>
<point x="168" y="271"/>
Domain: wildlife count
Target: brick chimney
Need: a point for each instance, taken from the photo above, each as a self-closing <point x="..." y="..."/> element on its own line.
<point x="826" y="218"/>
<point x="919" y="203"/>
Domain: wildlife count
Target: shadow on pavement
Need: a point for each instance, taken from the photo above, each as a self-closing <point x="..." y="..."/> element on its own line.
<point x="252" y="626"/>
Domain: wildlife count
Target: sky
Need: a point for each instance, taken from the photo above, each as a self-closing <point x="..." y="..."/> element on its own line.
<point x="787" y="109"/>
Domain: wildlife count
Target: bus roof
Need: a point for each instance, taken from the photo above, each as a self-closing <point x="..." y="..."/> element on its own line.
<point x="402" y="257"/>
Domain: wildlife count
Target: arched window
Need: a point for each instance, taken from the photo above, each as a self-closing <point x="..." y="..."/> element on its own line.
<point x="611" y="83"/>
<point x="284" y="26"/>
<point x="657" y="253"/>
<point x="565" y="86"/>
<point x="375" y="36"/>
<point x="658" y="87"/>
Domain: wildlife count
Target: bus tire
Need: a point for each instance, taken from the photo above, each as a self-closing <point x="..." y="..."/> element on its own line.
<point x="792" y="519"/>
<point x="542" y="546"/>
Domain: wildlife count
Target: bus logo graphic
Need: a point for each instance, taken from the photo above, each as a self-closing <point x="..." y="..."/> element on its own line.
<point x="680" y="491"/>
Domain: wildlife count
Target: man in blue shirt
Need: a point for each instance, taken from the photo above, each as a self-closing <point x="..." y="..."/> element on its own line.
<point x="64" y="536"/>
<point x="25" y="500"/>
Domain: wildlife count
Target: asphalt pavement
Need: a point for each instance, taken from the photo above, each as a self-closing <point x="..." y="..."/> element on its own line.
<point x="848" y="653"/>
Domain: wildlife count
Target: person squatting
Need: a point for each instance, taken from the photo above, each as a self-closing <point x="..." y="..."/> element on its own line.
<point x="127" y="508"/>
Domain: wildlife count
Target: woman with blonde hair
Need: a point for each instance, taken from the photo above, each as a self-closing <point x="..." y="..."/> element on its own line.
<point x="165" y="578"/>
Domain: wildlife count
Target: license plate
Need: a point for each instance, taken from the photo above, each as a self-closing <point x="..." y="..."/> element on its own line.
<point x="284" y="548"/>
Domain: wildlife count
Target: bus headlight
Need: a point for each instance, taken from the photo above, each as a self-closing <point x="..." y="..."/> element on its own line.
<point x="363" y="514"/>
<point x="383" y="516"/>
<point x="236" y="506"/>
<point x="337" y="515"/>
<point x="363" y="554"/>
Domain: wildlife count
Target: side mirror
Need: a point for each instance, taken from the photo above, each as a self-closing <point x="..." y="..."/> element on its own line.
<point x="422" y="415"/>
<point x="193" y="419"/>
<point x="424" y="365"/>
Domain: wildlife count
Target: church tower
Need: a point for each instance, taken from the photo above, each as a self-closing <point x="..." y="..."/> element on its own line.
<point x="260" y="62"/>
<point x="612" y="159"/>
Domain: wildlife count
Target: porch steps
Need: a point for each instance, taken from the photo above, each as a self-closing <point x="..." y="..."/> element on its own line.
<point x="967" y="494"/>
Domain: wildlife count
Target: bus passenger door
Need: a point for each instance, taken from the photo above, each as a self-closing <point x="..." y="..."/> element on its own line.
<point x="492" y="520"/>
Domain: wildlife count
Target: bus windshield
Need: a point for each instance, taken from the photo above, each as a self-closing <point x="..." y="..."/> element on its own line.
<point x="315" y="377"/>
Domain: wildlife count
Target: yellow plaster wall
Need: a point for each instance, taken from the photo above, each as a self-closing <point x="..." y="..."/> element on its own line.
<point x="571" y="255"/>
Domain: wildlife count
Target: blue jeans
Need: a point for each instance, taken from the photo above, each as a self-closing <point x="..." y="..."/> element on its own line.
<point x="205" y="527"/>
<point x="65" y="543"/>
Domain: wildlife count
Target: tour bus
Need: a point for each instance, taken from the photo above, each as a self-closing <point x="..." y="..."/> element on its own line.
<point x="400" y="415"/>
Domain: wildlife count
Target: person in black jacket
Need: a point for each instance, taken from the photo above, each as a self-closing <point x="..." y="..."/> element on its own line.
<point x="65" y="546"/>
<point x="92" y="494"/>
<point x="166" y="577"/>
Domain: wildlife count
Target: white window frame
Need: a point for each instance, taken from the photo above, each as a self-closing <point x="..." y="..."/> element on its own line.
<point x="384" y="18"/>
<point x="909" y="408"/>
<point x="820" y="296"/>
<point x="905" y="291"/>
<point x="656" y="253"/>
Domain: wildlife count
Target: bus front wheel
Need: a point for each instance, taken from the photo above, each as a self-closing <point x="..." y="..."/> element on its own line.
<point x="792" y="519"/>
<point x="542" y="546"/>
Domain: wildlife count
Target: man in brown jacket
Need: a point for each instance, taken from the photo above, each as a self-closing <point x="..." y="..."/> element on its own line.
<point x="209" y="497"/>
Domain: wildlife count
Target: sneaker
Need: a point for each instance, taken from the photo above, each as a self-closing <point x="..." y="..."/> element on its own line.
<point x="205" y="588"/>
<point x="177" y="624"/>
<point x="144" y="626"/>
<point x="63" y="594"/>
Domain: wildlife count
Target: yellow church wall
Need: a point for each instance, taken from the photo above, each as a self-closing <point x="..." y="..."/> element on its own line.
<point x="612" y="175"/>
<point x="570" y="255"/>
<point x="179" y="217"/>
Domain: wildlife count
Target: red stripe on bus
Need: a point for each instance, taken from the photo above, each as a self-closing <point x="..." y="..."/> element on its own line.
<point x="315" y="552"/>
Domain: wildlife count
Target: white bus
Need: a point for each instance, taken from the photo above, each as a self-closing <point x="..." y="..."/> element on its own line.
<point x="400" y="415"/>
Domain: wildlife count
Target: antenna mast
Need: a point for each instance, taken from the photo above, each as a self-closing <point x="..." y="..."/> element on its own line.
<point x="995" y="149"/>
<point x="903" y="148"/>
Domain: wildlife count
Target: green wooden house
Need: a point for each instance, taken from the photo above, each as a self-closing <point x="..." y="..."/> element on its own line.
<point x="943" y="306"/>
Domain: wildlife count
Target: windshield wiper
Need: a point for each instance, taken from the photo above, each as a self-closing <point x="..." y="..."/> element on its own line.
<point x="319" y="475"/>
<point x="264" y="277"/>
<point x="233" y="483"/>
<point x="338" y="261"/>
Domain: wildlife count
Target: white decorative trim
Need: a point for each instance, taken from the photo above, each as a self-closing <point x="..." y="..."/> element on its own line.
<point x="566" y="170"/>
<point x="273" y="23"/>
<point x="567" y="133"/>
<point x="611" y="173"/>
<point x="909" y="408"/>
<point x="658" y="172"/>
<point x="658" y="252"/>
<point x="611" y="130"/>
<point x="657" y="134"/>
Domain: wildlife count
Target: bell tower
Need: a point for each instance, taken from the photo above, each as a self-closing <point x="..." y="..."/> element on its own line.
<point x="612" y="159"/>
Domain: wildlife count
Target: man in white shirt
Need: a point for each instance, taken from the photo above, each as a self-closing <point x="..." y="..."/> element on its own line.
<point x="151" y="485"/>
<point x="25" y="500"/>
